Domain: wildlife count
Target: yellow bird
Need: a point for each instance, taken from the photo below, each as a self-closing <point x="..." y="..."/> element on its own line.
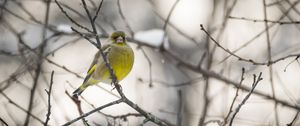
<point x="119" y="55"/>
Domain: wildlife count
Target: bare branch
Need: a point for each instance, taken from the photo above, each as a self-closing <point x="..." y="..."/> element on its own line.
<point x="262" y="21"/>
<point x="167" y="21"/>
<point x="98" y="10"/>
<point x="79" y="108"/>
<point x="49" y="99"/>
<point x="150" y="67"/>
<point x="255" y="82"/>
<point x="124" y="19"/>
<point x="93" y="111"/>
<point x="176" y="85"/>
<point x="71" y="19"/>
<point x="294" y="120"/>
<point x="234" y="99"/>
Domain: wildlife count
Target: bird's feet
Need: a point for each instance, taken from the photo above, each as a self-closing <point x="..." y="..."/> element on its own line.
<point x="116" y="86"/>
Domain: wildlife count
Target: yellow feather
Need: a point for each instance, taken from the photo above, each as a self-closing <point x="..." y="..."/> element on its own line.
<point x="92" y="70"/>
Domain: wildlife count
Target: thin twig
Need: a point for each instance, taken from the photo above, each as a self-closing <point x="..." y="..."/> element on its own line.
<point x="93" y="111"/>
<point x="49" y="100"/>
<point x="174" y="26"/>
<point x="70" y="18"/>
<point x="150" y="67"/>
<point x="82" y="16"/>
<point x="262" y="21"/>
<point x="63" y="67"/>
<point x="167" y="21"/>
<point x="206" y="101"/>
<point x="177" y="85"/>
<point x="296" y="59"/>
<point x="98" y="10"/>
<point x="87" y="38"/>
<point x="228" y="11"/>
<point x="255" y="82"/>
<point x="124" y="116"/>
<point x="282" y="9"/>
<point x="124" y="19"/>
<point x="294" y="120"/>
<point x="79" y="108"/>
<point x="234" y="99"/>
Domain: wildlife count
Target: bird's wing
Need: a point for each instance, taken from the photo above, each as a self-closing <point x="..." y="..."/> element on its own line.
<point x="93" y="66"/>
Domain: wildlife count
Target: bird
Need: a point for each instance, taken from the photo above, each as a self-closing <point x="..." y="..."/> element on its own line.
<point x="119" y="55"/>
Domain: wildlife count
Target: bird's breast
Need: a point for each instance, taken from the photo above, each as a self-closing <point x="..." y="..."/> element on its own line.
<point x="121" y="59"/>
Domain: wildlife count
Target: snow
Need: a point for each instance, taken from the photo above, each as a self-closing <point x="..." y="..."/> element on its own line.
<point x="64" y="28"/>
<point x="152" y="37"/>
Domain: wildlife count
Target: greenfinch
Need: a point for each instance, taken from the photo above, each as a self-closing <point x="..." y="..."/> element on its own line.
<point x="118" y="54"/>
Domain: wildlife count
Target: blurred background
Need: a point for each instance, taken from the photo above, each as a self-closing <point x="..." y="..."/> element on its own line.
<point x="180" y="74"/>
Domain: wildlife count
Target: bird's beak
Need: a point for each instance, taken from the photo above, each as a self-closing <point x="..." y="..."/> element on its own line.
<point x="120" y="39"/>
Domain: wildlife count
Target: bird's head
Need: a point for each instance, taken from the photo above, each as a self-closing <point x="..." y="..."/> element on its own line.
<point x="118" y="37"/>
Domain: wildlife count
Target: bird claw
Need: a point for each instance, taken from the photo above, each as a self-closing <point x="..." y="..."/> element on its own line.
<point x="117" y="85"/>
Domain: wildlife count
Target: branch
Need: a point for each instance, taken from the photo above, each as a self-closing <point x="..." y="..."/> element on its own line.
<point x="262" y="21"/>
<point x="125" y="116"/>
<point x="62" y="67"/>
<point x="177" y="85"/>
<point x="150" y="67"/>
<point x="167" y="21"/>
<point x="71" y="19"/>
<point x="294" y="120"/>
<point x="93" y="111"/>
<point x="124" y="19"/>
<point x="173" y="26"/>
<point x="234" y="99"/>
<point x="98" y="10"/>
<point x="78" y="104"/>
<point x="255" y="82"/>
<point x="49" y="99"/>
<point x="87" y="38"/>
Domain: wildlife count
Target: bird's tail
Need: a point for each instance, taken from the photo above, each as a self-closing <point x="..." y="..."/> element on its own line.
<point x="86" y="83"/>
<point x="79" y="90"/>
